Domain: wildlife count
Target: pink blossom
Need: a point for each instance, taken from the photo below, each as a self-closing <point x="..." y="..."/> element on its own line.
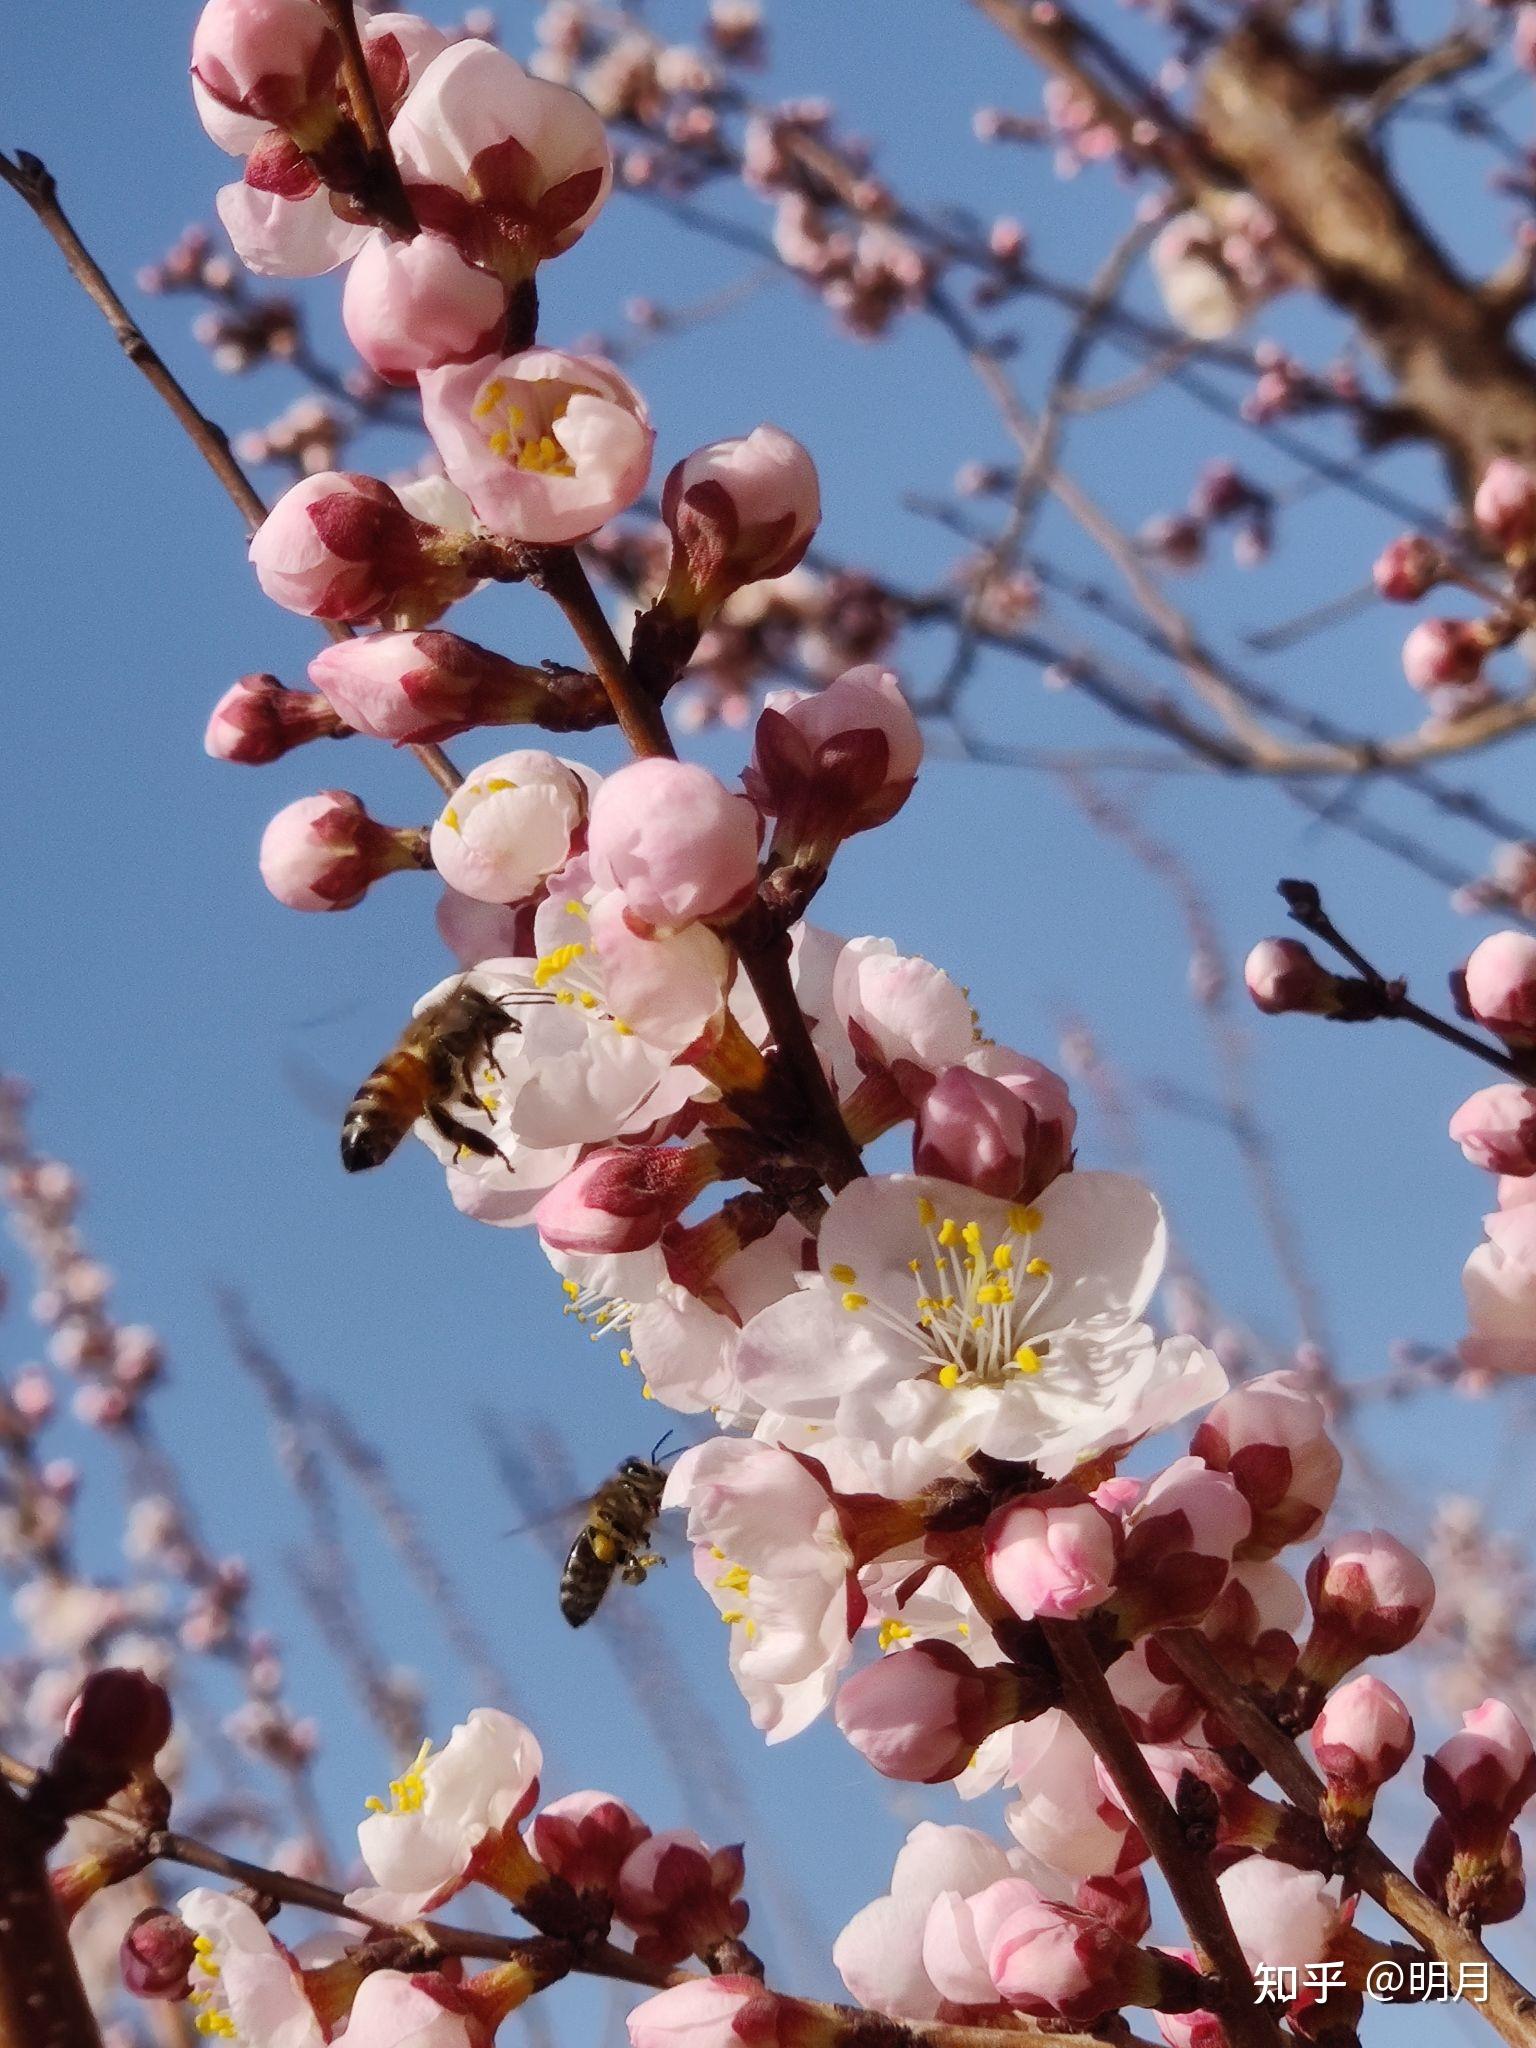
<point x="258" y="720"/>
<point x="1442" y="652"/>
<point x="253" y="1986"/>
<point x="272" y="61"/>
<point x="393" y="2010"/>
<point x="679" y="1897"/>
<point x="670" y="989"/>
<point x="713" y="2012"/>
<point x="324" y="852"/>
<point x="545" y="446"/>
<point x="1407" y="569"/>
<point x="1271" y="1435"/>
<point x="920" y="1714"/>
<point x="1499" y="1282"/>
<point x="958" y="1935"/>
<point x="508" y="167"/>
<point x="675" y="843"/>
<point x="281" y="219"/>
<point x="880" y="1954"/>
<point x="1481" y="1778"/>
<point x="832" y="763"/>
<point x="417" y="305"/>
<point x="1062" y="1814"/>
<point x="904" y="1016"/>
<point x="1362" y="1737"/>
<point x="340" y="546"/>
<point x="1505" y="507"/>
<point x="739" y="512"/>
<point x="621" y="1197"/>
<point x="510" y="825"/>
<point x="1283" y="975"/>
<point x="1052" y="1962"/>
<point x="1496" y="1129"/>
<point x="1370" y="1596"/>
<point x="1282" y="1918"/>
<point x="1499" y="982"/>
<point x="1052" y="1554"/>
<point x="585" y="1837"/>
<point x="1180" y="1540"/>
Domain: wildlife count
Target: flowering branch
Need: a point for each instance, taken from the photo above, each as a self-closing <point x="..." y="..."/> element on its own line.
<point x="42" y="2000"/>
<point x="382" y="190"/>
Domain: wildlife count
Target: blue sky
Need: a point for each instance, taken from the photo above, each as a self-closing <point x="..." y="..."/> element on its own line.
<point x="162" y="1004"/>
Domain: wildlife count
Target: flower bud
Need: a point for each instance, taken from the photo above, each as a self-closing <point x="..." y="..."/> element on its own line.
<point x="620" y="1198"/>
<point x="510" y="825"/>
<point x="1370" y="1596"/>
<point x="259" y="719"/>
<point x="1052" y="1121"/>
<point x="1505" y="507"/>
<point x="1466" y="1887"/>
<point x="324" y="852"/>
<point x="972" y="1129"/>
<point x="1498" y="985"/>
<point x="725" y="2012"/>
<point x="1496" y="1129"/>
<point x="739" y="512"/>
<point x="1442" y="652"/>
<point x="1407" y="569"/>
<point x="1271" y="1435"/>
<point x="273" y="61"/>
<point x="920" y="1714"/>
<point x="1053" y="1962"/>
<point x="416" y="687"/>
<point x="156" y="1954"/>
<point x="679" y="1897"/>
<point x="342" y="546"/>
<point x="585" y="1838"/>
<point x="1362" y="1737"/>
<point x="1283" y="1918"/>
<point x="1283" y="975"/>
<point x="1480" y="1779"/>
<point x="1052" y="1554"/>
<point x="833" y="763"/>
<point x="416" y="305"/>
<point x="117" y="1724"/>
<point x="1180" y="1539"/>
<point x="676" y="844"/>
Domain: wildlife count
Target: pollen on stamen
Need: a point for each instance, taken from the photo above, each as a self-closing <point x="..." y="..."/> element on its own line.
<point x="854" y="1302"/>
<point x="925" y="1211"/>
<point x="1027" y="1358"/>
<point x="892" y="1631"/>
<point x="949" y="1376"/>
<point x="1038" y="1269"/>
<point x="949" y="1232"/>
<point x="843" y="1275"/>
<point x="1023" y="1220"/>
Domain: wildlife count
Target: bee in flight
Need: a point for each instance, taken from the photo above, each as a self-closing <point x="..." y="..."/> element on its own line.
<point x="426" y="1070"/>
<point x="615" y="1537"/>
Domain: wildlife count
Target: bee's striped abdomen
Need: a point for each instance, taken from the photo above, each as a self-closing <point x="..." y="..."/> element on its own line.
<point x="395" y="1094"/>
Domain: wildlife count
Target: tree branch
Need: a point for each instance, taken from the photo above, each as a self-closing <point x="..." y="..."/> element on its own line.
<point x="42" y="2001"/>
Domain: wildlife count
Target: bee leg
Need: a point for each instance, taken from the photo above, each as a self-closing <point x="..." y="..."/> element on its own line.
<point x="635" y="1571"/>
<point x="447" y="1125"/>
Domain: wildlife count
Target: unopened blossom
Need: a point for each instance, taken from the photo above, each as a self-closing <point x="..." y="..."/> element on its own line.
<point x="546" y="446"/>
<point x="1499" y="1282"/>
<point x="1496" y="1129"/>
<point x="272" y="62"/>
<point x="281" y="219"/>
<point x="675" y="843"/>
<point x="428" y="2010"/>
<point x="1043" y="1094"/>
<point x="1283" y="1918"/>
<point x="508" y="167"/>
<point x="1056" y="1962"/>
<point x="1440" y="653"/>
<point x="324" y="852"/>
<point x="947" y="1322"/>
<point x="157" y="1954"/>
<point x="957" y="1937"/>
<point x="903" y="1016"/>
<point x="1271" y="1435"/>
<point x="739" y="511"/>
<point x="769" y="1550"/>
<point x="1504" y="506"/>
<point x="880" y="1953"/>
<point x="1180" y="1540"/>
<point x="452" y="1820"/>
<point x="1481" y="1778"/>
<point x="1283" y="975"/>
<point x="1061" y="1813"/>
<point x="1052" y="1554"/>
<point x="680" y="1898"/>
<point x="585" y="1838"/>
<point x="1151" y="1694"/>
<point x="342" y="546"/>
<point x="244" y="1985"/>
<point x="259" y="720"/>
<point x="1499" y="984"/>
<point x="1254" y="1622"/>
<point x="834" y="762"/>
<point x="621" y="1197"/>
<point x="1362" y="1737"/>
<point x="972" y="1129"/>
<point x="722" y="2012"/>
<point x="1407" y="569"/>
<point x="410" y="688"/>
<point x="920" y="1714"/>
<point x="1202" y="295"/>
<point x="418" y="305"/>
<point x="1370" y="1596"/>
<point x="510" y="825"/>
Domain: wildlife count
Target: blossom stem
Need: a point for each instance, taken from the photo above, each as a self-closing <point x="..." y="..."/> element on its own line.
<point x="32" y="181"/>
<point x="561" y="573"/>
<point x="385" y="195"/>
<point x="1509" y="2007"/>
<point x="1190" y="1878"/>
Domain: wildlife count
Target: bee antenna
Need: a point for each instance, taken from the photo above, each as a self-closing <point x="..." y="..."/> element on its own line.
<point x="656" y="1454"/>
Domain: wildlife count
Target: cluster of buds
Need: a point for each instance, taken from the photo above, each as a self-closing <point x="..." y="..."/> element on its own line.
<point x="1222" y="496"/>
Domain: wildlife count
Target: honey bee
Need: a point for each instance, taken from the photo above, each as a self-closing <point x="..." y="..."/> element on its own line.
<point x="421" y="1075"/>
<point x="615" y="1538"/>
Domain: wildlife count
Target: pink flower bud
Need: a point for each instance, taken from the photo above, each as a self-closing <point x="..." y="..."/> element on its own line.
<point x="1052" y="1962"/>
<point x="1282" y="1918"/>
<point x="719" y="2012"/>
<point x="1467" y="1887"/>
<point x="675" y="842"/>
<point x="1052" y="1554"/>
<point x="1370" y="1596"/>
<point x="273" y="61"/>
<point x="1407" y="569"/>
<point x="1362" y="1737"/>
<point x="258" y="720"/>
<point x="834" y="763"/>
<point x="510" y="825"/>
<point x="1505" y="507"/>
<point x="739" y="512"/>
<point x="1179" y="1543"/>
<point x="920" y="1714"/>
<point x="1272" y="1436"/>
<point x="1496" y="1129"/>
<point x="325" y="852"/>
<point x="972" y="1129"/>
<point x="1499" y="984"/>
<point x="122" y="1715"/>
<point x="585" y="1838"/>
<point x="1052" y="1121"/>
<point x="1481" y="1778"/>
<point x="410" y="306"/>
<point x="512" y="169"/>
<point x="156" y="1954"/>
<point x="412" y="687"/>
<point x="341" y="546"/>
<point x="1283" y="974"/>
<point x="1441" y="652"/>
<point x="679" y="1897"/>
<point x="620" y="1198"/>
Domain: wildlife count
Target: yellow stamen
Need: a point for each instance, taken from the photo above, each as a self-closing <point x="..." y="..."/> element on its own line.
<point x="843" y="1275"/>
<point x="1027" y="1358"/>
<point x="949" y="1376"/>
<point x="1022" y="1221"/>
<point x="892" y="1632"/>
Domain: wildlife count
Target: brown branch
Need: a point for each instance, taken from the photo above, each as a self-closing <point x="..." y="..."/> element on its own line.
<point x="383" y="192"/>
<point x="31" y="180"/>
<point x="1509" y="2008"/>
<point x="561" y="573"/>
<point x="42" y="2001"/>
<point x="1189" y="1876"/>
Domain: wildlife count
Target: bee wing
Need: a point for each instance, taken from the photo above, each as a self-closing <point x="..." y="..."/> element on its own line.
<point x="570" y="1512"/>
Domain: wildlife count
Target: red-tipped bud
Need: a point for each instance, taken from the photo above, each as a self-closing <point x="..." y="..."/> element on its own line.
<point x="1362" y="1737"/>
<point x="1179" y="1543"/>
<point x="120" y="1715"/>
<point x="1283" y="974"/>
<point x="417" y="687"/>
<point x="827" y="765"/>
<point x="1052" y="1554"/>
<point x="1370" y="1596"/>
<point x="622" y="1197"/>
<point x="1505" y="507"/>
<point x="739" y="511"/>
<point x="342" y="546"/>
<point x="1481" y="1778"/>
<point x="973" y="1129"/>
<point x="1443" y="653"/>
<point x="272" y="61"/>
<point x="729" y="2012"/>
<point x="1054" y="1962"/>
<point x="1496" y="1129"/>
<point x="1467" y="1888"/>
<point x="679" y="1897"/>
<point x="325" y="852"/>
<point x="1498" y="986"/>
<point x="259" y="719"/>
<point x="585" y="1838"/>
<point x="920" y="1714"/>
<point x="1407" y="569"/>
<point x="157" y="1954"/>
<point x="1271" y="1435"/>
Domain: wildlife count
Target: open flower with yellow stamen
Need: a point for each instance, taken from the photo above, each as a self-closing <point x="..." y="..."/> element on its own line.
<point x="452" y="1820"/>
<point x="944" y="1322"/>
<point x="245" y="1985"/>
